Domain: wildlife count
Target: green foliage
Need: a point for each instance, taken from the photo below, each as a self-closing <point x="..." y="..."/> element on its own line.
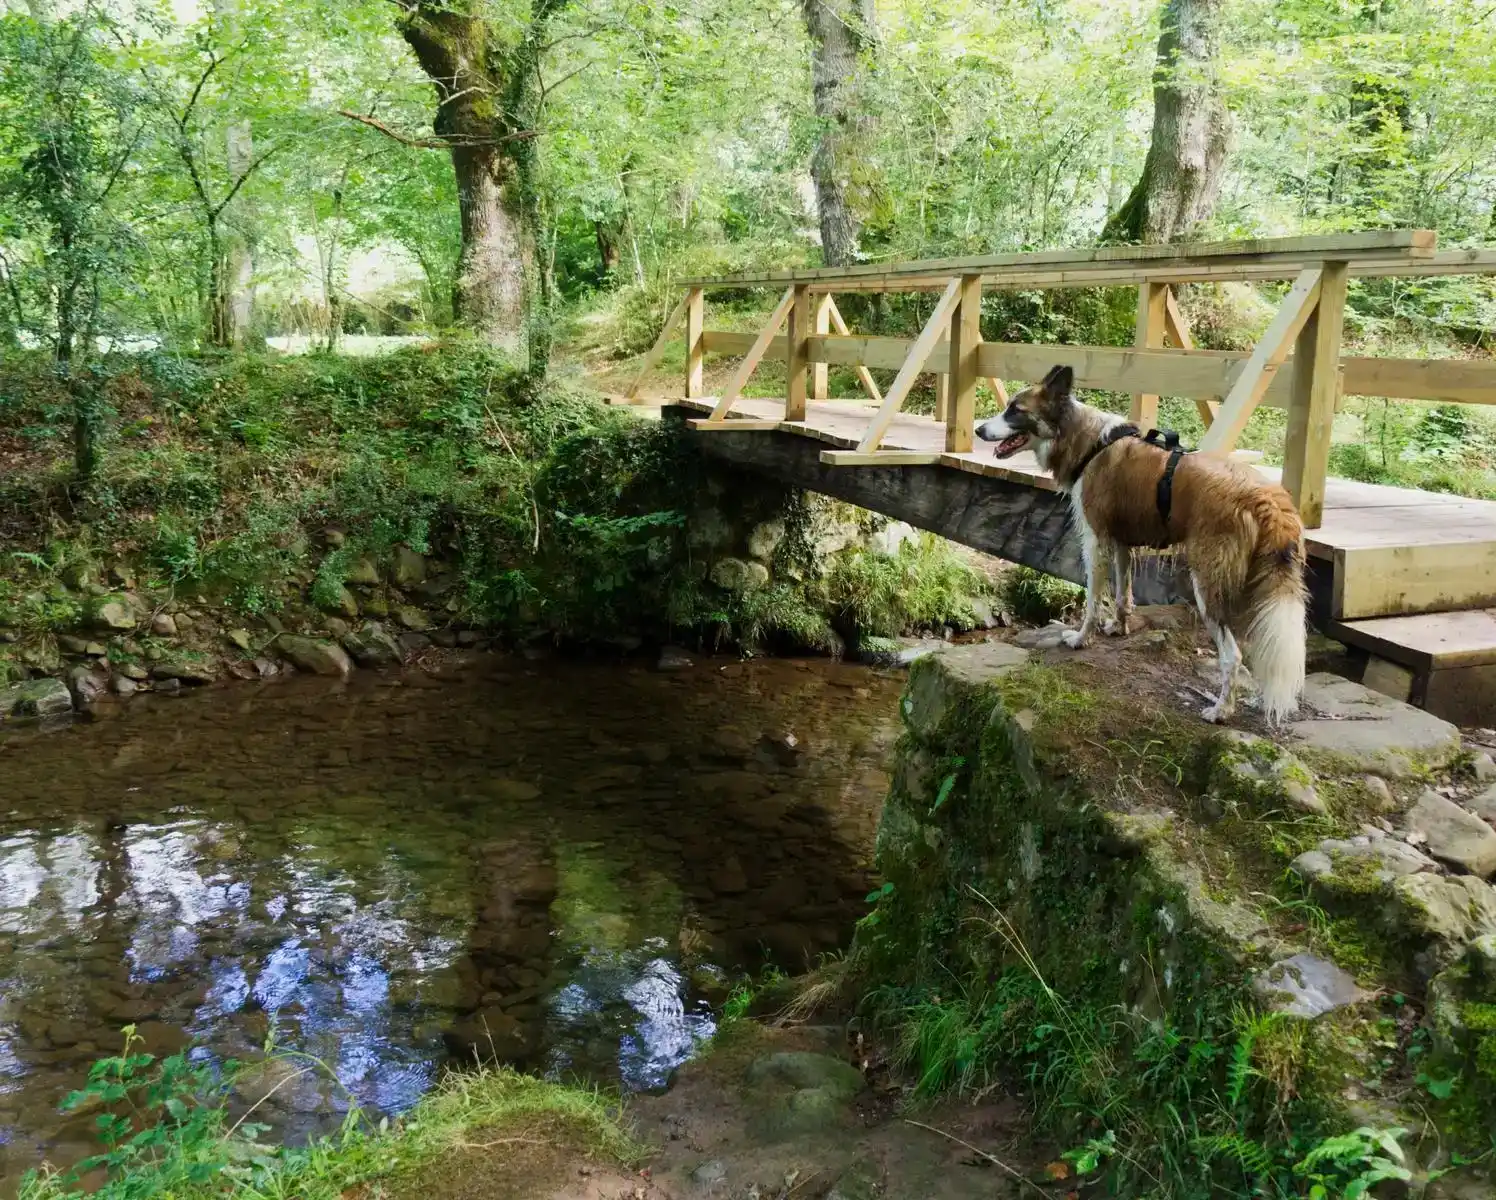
<point x="166" y="1131"/>
<point x="1037" y="598"/>
<point x="926" y="584"/>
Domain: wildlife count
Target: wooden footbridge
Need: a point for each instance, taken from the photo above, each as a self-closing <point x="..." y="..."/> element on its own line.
<point x="1407" y="576"/>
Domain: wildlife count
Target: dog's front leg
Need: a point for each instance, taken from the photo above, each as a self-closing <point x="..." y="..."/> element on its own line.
<point x="1095" y="565"/>
<point x="1121" y="591"/>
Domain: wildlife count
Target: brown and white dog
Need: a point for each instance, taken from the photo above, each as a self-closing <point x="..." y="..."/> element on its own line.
<point x="1240" y="534"/>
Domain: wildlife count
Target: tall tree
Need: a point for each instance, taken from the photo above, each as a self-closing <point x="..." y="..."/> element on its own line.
<point x="488" y="92"/>
<point x="1181" y="178"/>
<point x="840" y="34"/>
<point x="234" y="298"/>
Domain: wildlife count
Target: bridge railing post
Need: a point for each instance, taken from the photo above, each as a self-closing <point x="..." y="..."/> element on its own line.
<point x="961" y="393"/>
<point x="797" y="354"/>
<point x="1317" y="382"/>
<point x="819" y="372"/>
<point x="695" y="330"/>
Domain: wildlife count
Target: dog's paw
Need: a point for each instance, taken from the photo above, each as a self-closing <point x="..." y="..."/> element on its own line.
<point x="1074" y="639"/>
<point x="1116" y="627"/>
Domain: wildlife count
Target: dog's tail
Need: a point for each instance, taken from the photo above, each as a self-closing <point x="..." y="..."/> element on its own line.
<point x="1275" y="601"/>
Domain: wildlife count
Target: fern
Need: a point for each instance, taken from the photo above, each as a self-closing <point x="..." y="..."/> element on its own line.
<point x="1241" y="1065"/>
<point x="1252" y="1156"/>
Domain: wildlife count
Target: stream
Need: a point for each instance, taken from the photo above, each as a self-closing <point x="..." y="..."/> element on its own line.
<point x="563" y="863"/>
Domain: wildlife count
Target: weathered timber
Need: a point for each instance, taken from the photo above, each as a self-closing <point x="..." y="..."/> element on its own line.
<point x="1013" y="521"/>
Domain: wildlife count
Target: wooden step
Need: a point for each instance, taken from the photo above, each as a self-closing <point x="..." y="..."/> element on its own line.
<point x="1431" y="576"/>
<point x="1444" y="662"/>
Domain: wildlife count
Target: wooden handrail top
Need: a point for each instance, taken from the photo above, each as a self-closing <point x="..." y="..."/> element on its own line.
<point x="1405" y="252"/>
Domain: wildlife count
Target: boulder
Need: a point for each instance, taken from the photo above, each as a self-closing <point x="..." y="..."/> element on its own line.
<point x="69" y="644"/>
<point x="891" y="537"/>
<point x="240" y="638"/>
<point x="343" y="601"/>
<point x="736" y="576"/>
<point x="133" y="671"/>
<point x="363" y="573"/>
<point x="1354" y="864"/>
<point x="799" y="1092"/>
<point x="164" y="625"/>
<point x="124" y="686"/>
<point x="316" y="655"/>
<point x="410" y="567"/>
<point x="414" y="643"/>
<point x="1364" y="730"/>
<point x="36" y="698"/>
<point x="1306" y="986"/>
<point x="1453" y="835"/>
<point x="1483" y="804"/>
<point x="111" y="612"/>
<point x="1483" y="766"/>
<point x="765" y="539"/>
<point x="413" y="618"/>
<point x="1453" y="910"/>
<point x="372" y="646"/>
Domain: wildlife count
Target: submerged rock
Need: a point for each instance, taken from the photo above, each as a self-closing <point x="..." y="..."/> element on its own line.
<point x="315" y="655"/>
<point x="36" y="698"/>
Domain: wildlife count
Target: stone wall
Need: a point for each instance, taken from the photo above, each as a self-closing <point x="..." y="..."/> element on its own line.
<point x="1078" y="872"/>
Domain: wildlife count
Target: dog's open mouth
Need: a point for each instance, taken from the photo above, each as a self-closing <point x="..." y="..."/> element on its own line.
<point x="1011" y="445"/>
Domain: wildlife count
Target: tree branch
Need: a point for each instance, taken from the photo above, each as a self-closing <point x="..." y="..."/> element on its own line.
<point x="248" y="171"/>
<point x="435" y="143"/>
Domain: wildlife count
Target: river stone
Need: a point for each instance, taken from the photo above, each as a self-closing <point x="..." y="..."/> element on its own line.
<point x="1306" y="986"/>
<point x="1340" y="864"/>
<point x="1454" y="835"/>
<point x="164" y="625"/>
<point x="133" y="671"/>
<point x="413" y="643"/>
<point x="37" y="698"/>
<point x="410" y="567"/>
<point x="1483" y="766"/>
<point x="1484" y="804"/>
<point x="86" y="685"/>
<point x="1045" y="638"/>
<point x="892" y="536"/>
<point x="69" y="644"/>
<point x="240" y="638"/>
<point x="363" y="573"/>
<point x="414" y="619"/>
<point x="124" y="686"/>
<point x="315" y="655"/>
<point x="372" y="646"/>
<point x="344" y="602"/>
<point x="673" y="658"/>
<point x="112" y="612"/>
<point x="1368" y="731"/>
<point x="736" y="576"/>
<point x="193" y="671"/>
<point x="765" y="539"/>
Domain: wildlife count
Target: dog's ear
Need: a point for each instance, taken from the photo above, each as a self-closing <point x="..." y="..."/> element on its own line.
<point x="1056" y="389"/>
<point x="1059" y="382"/>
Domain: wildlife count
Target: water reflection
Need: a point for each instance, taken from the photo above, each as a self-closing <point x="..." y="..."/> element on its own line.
<point x="542" y="865"/>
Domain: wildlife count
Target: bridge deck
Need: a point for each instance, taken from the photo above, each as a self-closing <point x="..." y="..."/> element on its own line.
<point x="1391" y="556"/>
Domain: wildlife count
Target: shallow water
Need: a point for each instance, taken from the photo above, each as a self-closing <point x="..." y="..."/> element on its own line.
<point x="558" y="860"/>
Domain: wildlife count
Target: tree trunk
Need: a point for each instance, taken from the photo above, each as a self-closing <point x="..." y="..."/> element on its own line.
<point x="1181" y="178"/>
<point x="608" y="253"/>
<point x="238" y="257"/>
<point x="490" y="293"/>
<point x="840" y="30"/>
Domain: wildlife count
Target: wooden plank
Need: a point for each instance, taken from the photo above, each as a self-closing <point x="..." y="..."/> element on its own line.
<point x="658" y="348"/>
<point x="1397" y="580"/>
<point x="1149" y="334"/>
<point x="819" y="371"/>
<point x="879" y="458"/>
<point x="755" y="353"/>
<point x="864" y="376"/>
<point x="942" y="398"/>
<point x="736" y="424"/>
<point x="1457" y="381"/>
<point x="795" y="360"/>
<point x="732" y="343"/>
<point x="695" y="312"/>
<point x="912" y="367"/>
<point x="999" y="390"/>
<point x="1178" y="331"/>
<point x="1389" y="243"/>
<point x="1258" y="372"/>
<point x="1428" y="641"/>
<point x="966" y="337"/>
<point x="1316" y="388"/>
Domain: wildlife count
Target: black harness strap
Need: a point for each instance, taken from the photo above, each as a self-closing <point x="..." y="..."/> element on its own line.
<point x="1112" y="436"/>
<point x="1164" y="439"/>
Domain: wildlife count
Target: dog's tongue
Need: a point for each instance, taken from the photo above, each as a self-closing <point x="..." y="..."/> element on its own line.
<point x="1011" y="445"/>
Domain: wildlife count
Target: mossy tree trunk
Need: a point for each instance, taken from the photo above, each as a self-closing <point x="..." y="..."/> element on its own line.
<point x="1181" y="178"/>
<point x="840" y="34"/>
<point x="488" y="100"/>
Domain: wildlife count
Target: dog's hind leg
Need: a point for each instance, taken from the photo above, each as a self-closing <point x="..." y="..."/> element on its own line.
<point x="1228" y="655"/>
<point x="1121" y="591"/>
<point x="1093" y="556"/>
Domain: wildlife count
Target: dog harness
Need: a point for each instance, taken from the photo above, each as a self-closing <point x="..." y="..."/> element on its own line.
<point x="1164" y="439"/>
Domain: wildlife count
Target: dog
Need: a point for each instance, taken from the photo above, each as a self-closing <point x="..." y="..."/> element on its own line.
<point x="1241" y="536"/>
